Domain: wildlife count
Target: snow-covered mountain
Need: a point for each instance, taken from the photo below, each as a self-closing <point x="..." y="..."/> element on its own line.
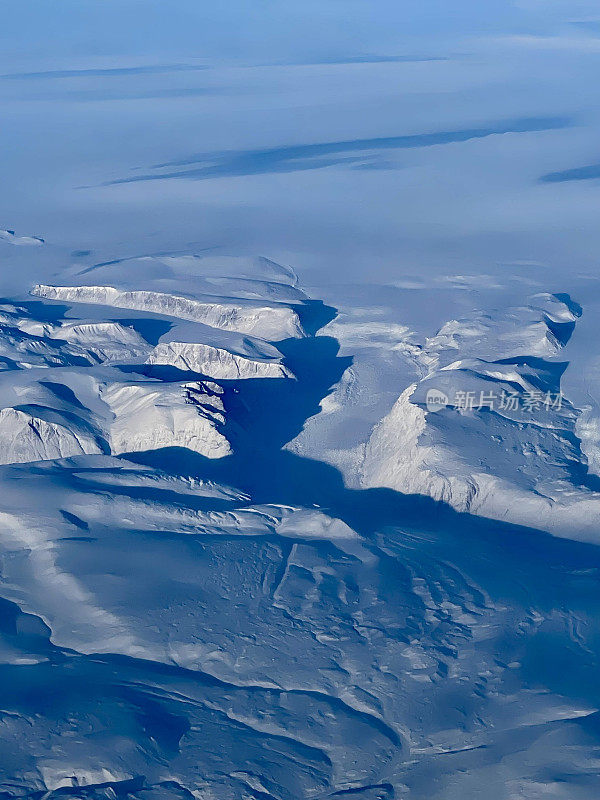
<point x="506" y="443"/>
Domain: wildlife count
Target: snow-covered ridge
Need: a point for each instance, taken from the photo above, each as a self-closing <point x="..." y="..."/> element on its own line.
<point x="26" y="436"/>
<point x="273" y="323"/>
<point x="214" y="362"/>
<point x="232" y="277"/>
<point x="540" y="328"/>
<point x="149" y="417"/>
<point x="59" y="396"/>
<point x="105" y="341"/>
<point x="504" y="444"/>
<point x="20" y="241"/>
<point x="521" y="460"/>
<point x="93" y="414"/>
<point x="27" y="342"/>
<point x="86" y="407"/>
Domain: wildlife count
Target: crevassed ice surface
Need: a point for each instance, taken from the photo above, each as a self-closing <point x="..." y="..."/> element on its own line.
<point x="243" y="554"/>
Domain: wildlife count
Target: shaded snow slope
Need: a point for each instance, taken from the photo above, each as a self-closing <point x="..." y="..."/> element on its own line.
<point x="178" y="630"/>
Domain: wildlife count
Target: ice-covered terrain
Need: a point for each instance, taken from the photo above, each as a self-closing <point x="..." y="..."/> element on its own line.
<point x="322" y="523"/>
<point x="218" y="582"/>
